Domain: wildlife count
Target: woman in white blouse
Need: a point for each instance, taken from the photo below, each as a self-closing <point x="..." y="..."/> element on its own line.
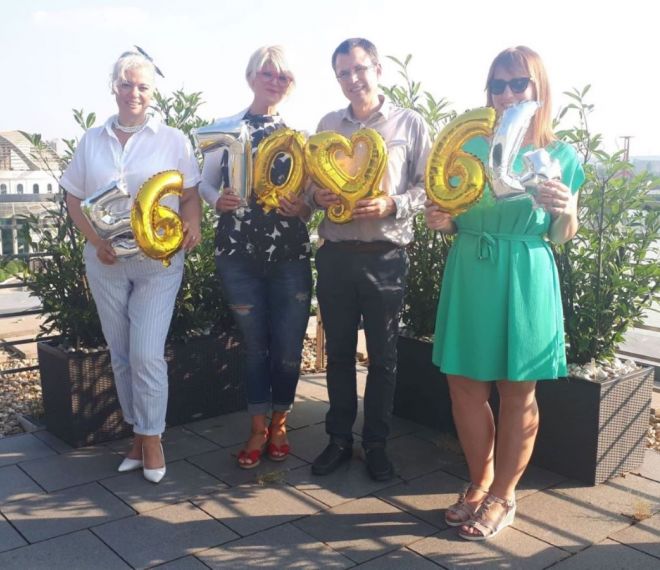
<point x="135" y="297"/>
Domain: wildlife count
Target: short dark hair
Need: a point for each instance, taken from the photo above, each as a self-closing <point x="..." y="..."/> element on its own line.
<point x="347" y="45"/>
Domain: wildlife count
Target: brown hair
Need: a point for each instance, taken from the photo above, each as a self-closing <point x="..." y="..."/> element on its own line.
<point x="522" y="58"/>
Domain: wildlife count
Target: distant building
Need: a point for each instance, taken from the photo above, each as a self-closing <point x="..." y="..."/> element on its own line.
<point x="649" y="163"/>
<point x="28" y="180"/>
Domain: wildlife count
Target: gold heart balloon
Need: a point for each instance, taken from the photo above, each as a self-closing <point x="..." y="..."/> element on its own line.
<point x="158" y="229"/>
<point x="448" y="161"/>
<point x="282" y="141"/>
<point x="351" y="168"/>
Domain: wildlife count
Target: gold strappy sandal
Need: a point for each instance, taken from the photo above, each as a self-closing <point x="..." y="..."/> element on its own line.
<point x="461" y="511"/>
<point x="489" y="528"/>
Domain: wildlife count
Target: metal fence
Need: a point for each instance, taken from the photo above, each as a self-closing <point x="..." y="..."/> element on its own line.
<point x="12" y="346"/>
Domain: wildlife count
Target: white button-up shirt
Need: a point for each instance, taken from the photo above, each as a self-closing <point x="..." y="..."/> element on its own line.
<point x="100" y="159"/>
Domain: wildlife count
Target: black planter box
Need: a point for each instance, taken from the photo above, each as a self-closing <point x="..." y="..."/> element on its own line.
<point x="421" y="394"/>
<point x="80" y="400"/>
<point x="589" y="431"/>
<point x="593" y="431"/>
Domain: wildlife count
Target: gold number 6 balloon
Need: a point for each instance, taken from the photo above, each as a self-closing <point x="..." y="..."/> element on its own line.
<point x="283" y="141"/>
<point x="158" y="229"/>
<point x="447" y="160"/>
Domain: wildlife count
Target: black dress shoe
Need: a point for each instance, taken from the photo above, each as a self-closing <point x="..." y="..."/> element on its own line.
<point x="378" y="464"/>
<point x="331" y="458"/>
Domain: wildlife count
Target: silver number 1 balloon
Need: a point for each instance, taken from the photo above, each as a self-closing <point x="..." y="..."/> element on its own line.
<point x="507" y="139"/>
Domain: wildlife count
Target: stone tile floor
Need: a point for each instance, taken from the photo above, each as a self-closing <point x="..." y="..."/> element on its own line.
<point x="69" y="508"/>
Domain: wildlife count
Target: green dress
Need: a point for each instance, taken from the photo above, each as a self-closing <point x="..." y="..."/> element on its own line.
<point x="500" y="314"/>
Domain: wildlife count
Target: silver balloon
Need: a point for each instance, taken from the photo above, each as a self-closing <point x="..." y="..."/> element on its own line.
<point x="233" y="137"/>
<point x="507" y="139"/>
<point x="539" y="167"/>
<point x="109" y="212"/>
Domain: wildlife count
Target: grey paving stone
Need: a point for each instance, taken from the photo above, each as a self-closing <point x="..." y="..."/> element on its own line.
<point x="16" y="485"/>
<point x="651" y="466"/>
<point x="222" y="464"/>
<point x="185" y="563"/>
<point x="566" y="521"/>
<point x="225" y="431"/>
<point x="178" y="443"/>
<point x="510" y="549"/>
<point x="307" y="412"/>
<point x="47" y="516"/>
<point x="365" y="528"/>
<point x="18" y="448"/>
<point x="181" y="482"/>
<point x="349" y="481"/>
<point x="644" y="536"/>
<point x="609" y="555"/>
<point x="308" y="442"/>
<point x="426" y="497"/>
<point x="252" y="508"/>
<point x="9" y="538"/>
<point x="621" y="495"/>
<point x="78" y="551"/>
<point x="399" y="559"/>
<point x="163" y="535"/>
<point x="313" y="386"/>
<point x="75" y="468"/>
<point x="53" y="441"/>
<point x="280" y="547"/>
<point x="413" y="456"/>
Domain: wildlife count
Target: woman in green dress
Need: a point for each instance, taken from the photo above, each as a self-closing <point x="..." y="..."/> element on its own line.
<point x="500" y="315"/>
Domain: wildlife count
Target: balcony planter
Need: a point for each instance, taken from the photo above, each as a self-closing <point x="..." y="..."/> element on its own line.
<point x="421" y="394"/>
<point x="80" y="400"/>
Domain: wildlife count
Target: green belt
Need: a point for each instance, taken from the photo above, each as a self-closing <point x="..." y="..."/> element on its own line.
<point x="487" y="242"/>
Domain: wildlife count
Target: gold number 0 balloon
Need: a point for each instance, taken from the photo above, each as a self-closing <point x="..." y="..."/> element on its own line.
<point x="158" y="229"/>
<point x="447" y="160"/>
<point x="351" y="168"/>
<point x="283" y="141"/>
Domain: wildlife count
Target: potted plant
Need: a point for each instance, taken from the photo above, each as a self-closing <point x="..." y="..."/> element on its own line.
<point x="204" y="365"/>
<point x="594" y="422"/>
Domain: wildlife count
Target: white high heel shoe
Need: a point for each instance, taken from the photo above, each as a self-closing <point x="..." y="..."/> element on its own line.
<point x="155" y="475"/>
<point x="129" y="464"/>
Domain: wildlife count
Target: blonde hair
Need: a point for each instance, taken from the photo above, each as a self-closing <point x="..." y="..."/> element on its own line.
<point x="522" y="58"/>
<point x="130" y="60"/>
<point x="268" y="54"/>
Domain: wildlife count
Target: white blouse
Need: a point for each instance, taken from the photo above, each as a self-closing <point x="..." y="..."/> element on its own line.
<point x="100" y="160"/>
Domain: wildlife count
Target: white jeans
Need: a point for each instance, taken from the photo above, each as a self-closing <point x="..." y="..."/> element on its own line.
<point x="135" y="300"/>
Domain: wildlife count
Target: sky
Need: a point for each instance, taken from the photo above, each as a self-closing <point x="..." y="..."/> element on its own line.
<point x="57" y="55"/>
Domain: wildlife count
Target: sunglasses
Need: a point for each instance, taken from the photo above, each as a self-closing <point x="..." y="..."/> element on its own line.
<point x="280" y="78"/>
<point x="517" y="85"/>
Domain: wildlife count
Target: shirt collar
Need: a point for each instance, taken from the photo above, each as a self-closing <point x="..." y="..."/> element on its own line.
<point x="153" y="124"/>
<point x="384" y="111"/>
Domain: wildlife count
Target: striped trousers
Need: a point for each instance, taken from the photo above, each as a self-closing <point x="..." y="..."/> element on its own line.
<point x="135" y="300"/>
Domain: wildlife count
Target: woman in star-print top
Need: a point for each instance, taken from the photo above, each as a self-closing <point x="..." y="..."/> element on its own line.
<point x="263" y="263"/>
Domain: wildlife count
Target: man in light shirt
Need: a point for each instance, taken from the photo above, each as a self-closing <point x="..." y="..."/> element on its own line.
<point x="362" y="264"/>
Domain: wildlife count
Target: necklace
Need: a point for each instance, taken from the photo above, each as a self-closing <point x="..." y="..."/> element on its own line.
<point x="129" y="130"/>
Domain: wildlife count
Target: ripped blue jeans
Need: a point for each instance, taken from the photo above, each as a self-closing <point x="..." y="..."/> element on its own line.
<point x="270" y="303"/>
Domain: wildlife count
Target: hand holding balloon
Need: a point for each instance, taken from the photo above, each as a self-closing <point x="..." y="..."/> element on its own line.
<point x="228" y="201"/>
<point x="437" y="219"/>
<point x="325" y="198"/>
<point x="105" y="252"/>
<point x="374" y="208"/>
<point x="555" y="198"/>
<point x="292" y="207"/>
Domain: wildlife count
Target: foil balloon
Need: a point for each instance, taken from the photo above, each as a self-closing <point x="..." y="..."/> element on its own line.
<point x="507" y="140"/>
<point x="539" y="167"/>
<point x="448" y="162"/>
<point x="158" y="229"/>
<point x="109" y="212"/>
<point x="281" y="142"/>
<point x="351" y="168"/>
<point x="233" y="137"/>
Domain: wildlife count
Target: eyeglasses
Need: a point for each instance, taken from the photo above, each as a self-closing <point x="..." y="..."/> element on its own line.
<point x="517" y="85"/>
<point x="145" y="54"/>
<point x="281" y="79"/>
<point x="359" y="70"/>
